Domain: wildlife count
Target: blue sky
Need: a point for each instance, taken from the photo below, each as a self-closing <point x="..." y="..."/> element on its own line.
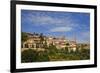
<point x="50" y="23"/>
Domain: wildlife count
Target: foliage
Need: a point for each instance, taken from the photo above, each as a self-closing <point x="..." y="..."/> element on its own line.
<point x="52" y="50"/>
<point x="54" y="54"/>
<point x="24" y="37"/>
<point x="42" y="56"/>
<point x="33" y="56"/>
<point x="42" y="38"/>
<point x="29" y="56"/>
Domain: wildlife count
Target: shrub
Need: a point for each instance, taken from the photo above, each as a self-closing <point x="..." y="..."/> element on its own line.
<point x="29" y="56"/>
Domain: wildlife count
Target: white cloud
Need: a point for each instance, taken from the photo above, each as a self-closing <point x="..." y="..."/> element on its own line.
<point x="85" y="37"/>
<point x="42" y="19"/>
<point x="47" y="20"/>
<point x="61" y="29"/>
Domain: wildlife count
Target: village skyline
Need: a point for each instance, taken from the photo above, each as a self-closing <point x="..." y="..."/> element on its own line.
<point x="71" y="25"/>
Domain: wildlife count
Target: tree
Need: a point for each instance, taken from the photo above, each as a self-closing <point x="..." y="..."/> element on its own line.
<point x="29" y="56"/>
<point x="24" y="36"/>
<point x="42" y="56"/>
<point x="45" y="45"/>
<point x="67" y="44"/>
<point x="67" y="48"/>
<point x="41" y="39"/>
<point x="52" y="49"/>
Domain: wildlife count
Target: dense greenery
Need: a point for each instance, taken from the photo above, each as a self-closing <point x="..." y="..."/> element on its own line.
<point x="24" y="36"/>
<point x="29" y="56"/>
<point x="53" y="54"/>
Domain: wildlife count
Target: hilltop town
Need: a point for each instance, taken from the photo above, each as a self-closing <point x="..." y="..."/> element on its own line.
<point x="40" y="48"/>
<point x="39" y="42"/>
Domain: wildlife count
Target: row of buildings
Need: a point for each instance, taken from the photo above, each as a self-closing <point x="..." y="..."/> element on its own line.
<point x="37" y="42"/>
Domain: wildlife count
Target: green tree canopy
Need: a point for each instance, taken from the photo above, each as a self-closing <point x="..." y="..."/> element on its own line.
<point x="24" y="36"/>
